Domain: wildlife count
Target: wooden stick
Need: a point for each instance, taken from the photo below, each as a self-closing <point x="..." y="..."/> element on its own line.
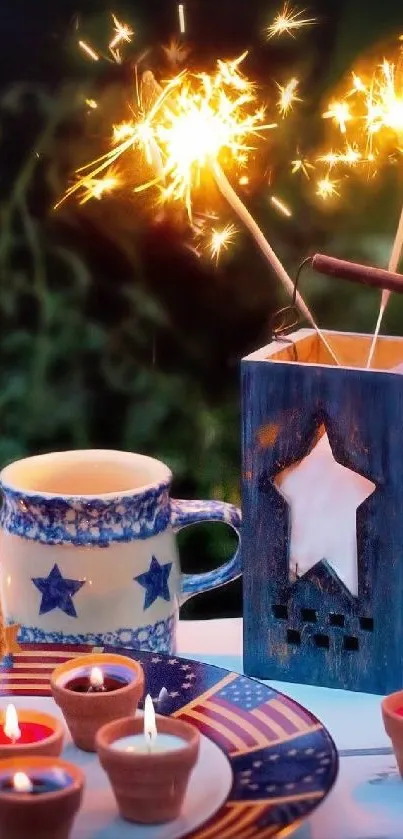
<point x="393" y="263"/>
<point x="270" y="256"/>
<point x="363" y="274"/>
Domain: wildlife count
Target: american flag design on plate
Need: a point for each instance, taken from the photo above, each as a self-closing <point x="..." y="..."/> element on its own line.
<point x="283" y="760"/>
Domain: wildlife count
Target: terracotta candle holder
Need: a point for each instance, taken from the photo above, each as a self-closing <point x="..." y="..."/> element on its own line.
<point x="392" y="713"/>
<point x="85" y="708"/>
<point x="39" y="796"/>
<point x="149" y="786"/>
<point x="28" y="732"/>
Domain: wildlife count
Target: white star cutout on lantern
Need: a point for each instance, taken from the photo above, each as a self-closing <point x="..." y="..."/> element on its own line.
<point x="323" y="497"/>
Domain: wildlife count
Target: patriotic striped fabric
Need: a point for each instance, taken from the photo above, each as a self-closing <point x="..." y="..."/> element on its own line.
<point x="283" y="760"/>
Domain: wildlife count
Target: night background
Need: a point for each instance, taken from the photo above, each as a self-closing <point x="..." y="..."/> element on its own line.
<point x="114" y="333"/>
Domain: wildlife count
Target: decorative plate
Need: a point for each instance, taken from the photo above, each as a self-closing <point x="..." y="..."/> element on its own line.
<point x="283" y="761"/>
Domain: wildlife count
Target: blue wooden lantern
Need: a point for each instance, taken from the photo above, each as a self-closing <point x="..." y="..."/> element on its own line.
<point x="311" y="628"/>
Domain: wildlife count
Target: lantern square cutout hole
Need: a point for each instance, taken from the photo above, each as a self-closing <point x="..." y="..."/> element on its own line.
<point x="367" y="624"/>
<point x="293" y="637"/>
<point x="336" y="620"/>
<point x="351" y="643"/>
<point x="308" y="615"/>
<point x="322" y="641"/>
<point x="323" y="497"/>
<point x="280" y="612"/>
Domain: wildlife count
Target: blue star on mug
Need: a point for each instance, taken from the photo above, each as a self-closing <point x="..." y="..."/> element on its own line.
<point x="155" y="582"/>
<point x="57" y="592"/>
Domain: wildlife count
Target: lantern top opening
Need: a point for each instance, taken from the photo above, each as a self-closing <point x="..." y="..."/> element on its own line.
<point x="351" y="348"/>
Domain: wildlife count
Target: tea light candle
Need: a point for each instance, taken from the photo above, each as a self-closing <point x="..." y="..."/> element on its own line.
<point x="40" y="795"/>
<point x="29" y="732"/>
<point x="94" y="689"/>
<point x="148" y="742"/>
<point x="35" y="784"/>
<point x="149" y="770"/>
<point x="96" y="682"/>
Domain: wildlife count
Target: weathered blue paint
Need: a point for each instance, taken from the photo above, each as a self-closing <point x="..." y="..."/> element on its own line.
<point x="315" y="630"/>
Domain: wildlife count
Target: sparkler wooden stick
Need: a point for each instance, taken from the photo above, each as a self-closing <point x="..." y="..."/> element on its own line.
<point x="393" y="263"/>
<point x="271" y="257"/>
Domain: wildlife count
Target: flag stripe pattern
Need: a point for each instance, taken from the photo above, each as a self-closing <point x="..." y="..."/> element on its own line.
<point x="283" y="761"/>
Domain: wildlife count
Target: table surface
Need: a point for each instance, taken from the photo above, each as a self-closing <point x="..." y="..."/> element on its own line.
<point x="367" y="801"/>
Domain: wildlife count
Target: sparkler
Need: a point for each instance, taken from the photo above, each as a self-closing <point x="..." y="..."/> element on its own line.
<point x="197" y="123"/>
<point x="288" y="21"/>
<point x="371" y="111"/>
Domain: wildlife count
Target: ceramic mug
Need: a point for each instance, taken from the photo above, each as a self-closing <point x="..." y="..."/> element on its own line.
<point x="88" y="552"/>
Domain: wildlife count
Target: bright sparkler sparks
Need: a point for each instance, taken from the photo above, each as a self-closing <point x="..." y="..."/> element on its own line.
<point x="288" y="21"/>
<point x="181" y="16"/>
<point x="88" y="50"/>
<point x="195" y="120"/>
<point x="339" y="112"/>
<point x="221" y="240"/>
<point x="326" y="188"/>
<point x="122" y="32"/>
<point x="287" y="96"/>
<point x="98" y="187"/>
<point x="369" y="116"/>
<point x="303" y="165"/>
<point x="280" y="206"/>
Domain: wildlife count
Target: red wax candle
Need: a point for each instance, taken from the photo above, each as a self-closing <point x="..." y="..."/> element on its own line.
<point x="27" y="732"/>
<point x="31" y="732"/>
<point x="399" y="711"/>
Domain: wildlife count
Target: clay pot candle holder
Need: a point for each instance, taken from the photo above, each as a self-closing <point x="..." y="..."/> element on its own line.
<point x="149" y="776"/>
<point x="29" y="732"/>
<point x="38" y="796"/>
<point x="392" y="713"/>
<point x="95" y="689"/>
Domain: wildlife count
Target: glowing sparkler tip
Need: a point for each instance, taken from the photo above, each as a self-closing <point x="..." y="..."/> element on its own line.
<point x="288" y="21"/>
<point x="190" y="121"/>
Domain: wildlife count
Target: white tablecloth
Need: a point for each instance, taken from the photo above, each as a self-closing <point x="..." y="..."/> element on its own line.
<point x="367" y="801"/>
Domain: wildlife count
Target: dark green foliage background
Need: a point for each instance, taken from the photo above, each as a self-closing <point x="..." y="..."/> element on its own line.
<point x="113" y="334"/>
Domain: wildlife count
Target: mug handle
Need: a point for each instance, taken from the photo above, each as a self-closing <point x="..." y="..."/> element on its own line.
<point x="183" y="513"/>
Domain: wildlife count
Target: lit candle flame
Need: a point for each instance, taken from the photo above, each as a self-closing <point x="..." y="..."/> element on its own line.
<point x="150" y="726"/>
<point x="21" y="782"/>
<point x="11" y="728"/>
<point x="96" y="678"/>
